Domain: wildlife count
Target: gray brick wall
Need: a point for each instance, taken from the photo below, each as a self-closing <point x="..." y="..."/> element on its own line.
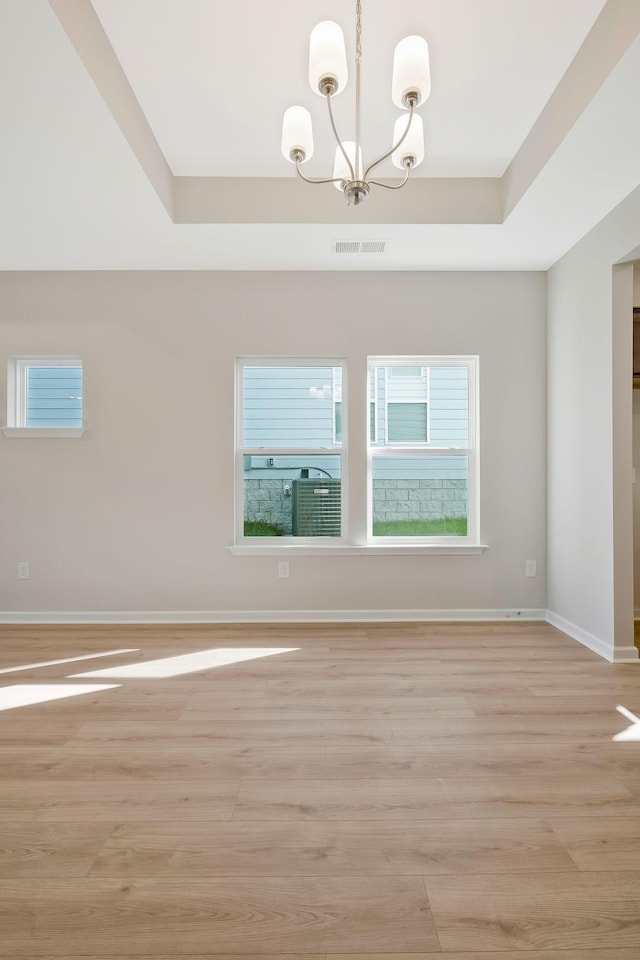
<point x="419" y="499"/>
<point x="265" y="500"/>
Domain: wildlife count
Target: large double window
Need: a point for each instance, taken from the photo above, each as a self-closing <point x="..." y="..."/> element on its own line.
<point x="409" y="474"/>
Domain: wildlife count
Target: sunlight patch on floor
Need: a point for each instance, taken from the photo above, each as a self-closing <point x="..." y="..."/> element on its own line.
<point x="188" y="662"/>
<point x="632" y="732"/>
<point x="53" y="663"/>
<point x="26" y="694"/>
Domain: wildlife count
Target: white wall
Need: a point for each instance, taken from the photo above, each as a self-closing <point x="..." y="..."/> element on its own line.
<point x="138" y="514"/>
<point x="588" y="389"/>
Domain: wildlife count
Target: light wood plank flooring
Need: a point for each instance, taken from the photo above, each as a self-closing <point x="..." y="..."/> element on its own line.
<point x="387" y="791"/>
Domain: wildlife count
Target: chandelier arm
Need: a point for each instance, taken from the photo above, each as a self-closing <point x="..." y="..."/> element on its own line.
<point x="338" y="140"/>
<point x="392" y="186"/>
<point x="316" y="180"/>
<point x="393" y="148"/>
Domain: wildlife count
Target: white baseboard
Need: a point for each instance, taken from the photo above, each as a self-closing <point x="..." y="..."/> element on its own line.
<point x="265" y="616"/>
<point x="627" y="654"/>
<point x="582" y="636"/>
<point x="80" y="617"/>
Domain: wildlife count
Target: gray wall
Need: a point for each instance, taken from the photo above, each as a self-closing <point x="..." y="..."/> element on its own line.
<point x="590" y="548"/>
<point x="138" y="514"/>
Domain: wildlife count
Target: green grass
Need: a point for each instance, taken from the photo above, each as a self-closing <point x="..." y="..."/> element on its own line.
<point x="446" y="527"/>
<point x="260" y="528"/>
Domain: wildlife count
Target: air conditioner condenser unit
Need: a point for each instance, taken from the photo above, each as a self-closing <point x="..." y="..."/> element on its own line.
<point x="316" y="507"/>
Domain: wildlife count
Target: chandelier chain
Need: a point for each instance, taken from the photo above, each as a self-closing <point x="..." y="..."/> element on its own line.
<point x="358" y="31"/>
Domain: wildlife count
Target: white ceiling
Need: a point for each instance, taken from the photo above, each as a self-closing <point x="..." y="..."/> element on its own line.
<point x="213" y="78"/>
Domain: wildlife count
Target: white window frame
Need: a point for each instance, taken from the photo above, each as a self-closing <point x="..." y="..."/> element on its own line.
<point x="17" y="397"/>
<point x="337" y="449"/>
<point x="398" y="450"/>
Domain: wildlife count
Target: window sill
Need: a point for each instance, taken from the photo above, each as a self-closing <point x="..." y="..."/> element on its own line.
<point x="367" y="550"/>
<point x="67" y="433"/>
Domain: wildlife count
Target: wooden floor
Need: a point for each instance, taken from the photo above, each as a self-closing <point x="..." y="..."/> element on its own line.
<point x="391" y="791"/>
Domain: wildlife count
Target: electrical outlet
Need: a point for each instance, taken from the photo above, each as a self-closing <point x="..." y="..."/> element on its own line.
<point x="530" y="568"/>
<point x="283" y="569"/>
<point x="24" y="569"/>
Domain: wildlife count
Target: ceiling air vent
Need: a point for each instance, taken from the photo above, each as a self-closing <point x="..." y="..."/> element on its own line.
<point x="359" y="246"/>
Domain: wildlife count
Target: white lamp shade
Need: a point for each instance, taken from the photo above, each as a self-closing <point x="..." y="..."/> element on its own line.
<point x="327" y="56"/>
<point x="411" y="70"/>
<point x="297" y="132"/>
<point x="413" y="143"/>
<point x="341" y="167"/>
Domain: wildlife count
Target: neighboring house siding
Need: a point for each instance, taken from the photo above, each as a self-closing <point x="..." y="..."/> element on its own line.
<point x="414" y="468"/>
<point x="445" y="392"/>
<point x="279" y="413"/>
<point x="448" y="413"/>
<point x="288" y="407"/>
<point x="282" y="410"/>
<point x="54" y="396"/>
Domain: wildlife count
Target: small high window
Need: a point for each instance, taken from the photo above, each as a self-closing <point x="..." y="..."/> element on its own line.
<point x="44" y="393"/>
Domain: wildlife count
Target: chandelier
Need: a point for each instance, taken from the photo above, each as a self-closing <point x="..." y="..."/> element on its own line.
<point x="411" y="85"/>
